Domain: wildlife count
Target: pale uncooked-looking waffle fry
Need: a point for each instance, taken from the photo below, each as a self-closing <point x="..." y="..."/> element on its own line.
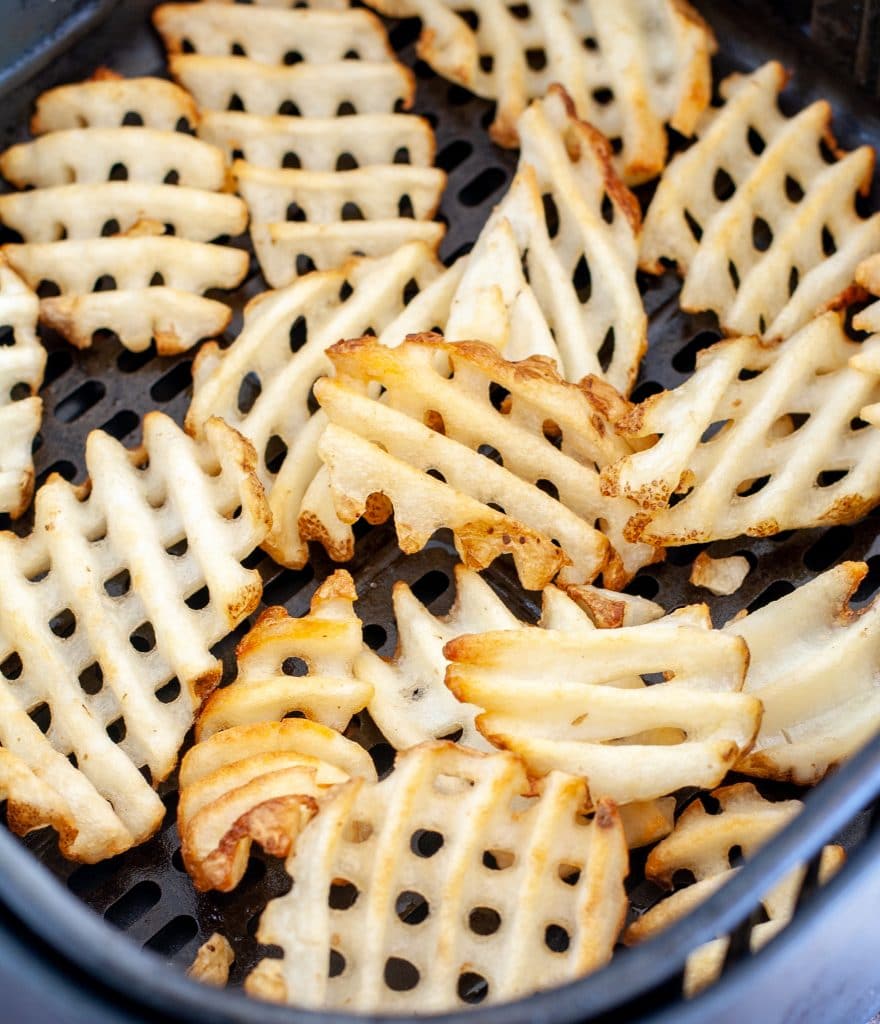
<point x="411" y="703"/>
<point x="281" y="104"/>
<point x="108" y="161"/>
<point x="554" y="270"/>
<point x="504" y="454"/>
<point x="464" y="876"/>
<point x="22" y="361"/>
<point x="254" y="774"/>
<point x="763" y="437"/>
<point x="578" y="699"/>
<point x="760" y="214"/>
<point x="813" y="667"/>
<point x="262" y="383"/>
<point x="108" y="613"/>
<point x="703" y="843"/>
<point x="630" y="67"/>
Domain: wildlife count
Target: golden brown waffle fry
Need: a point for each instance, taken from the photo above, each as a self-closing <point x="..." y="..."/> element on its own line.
<point x="702" y="844"/>
<point x="108" y="101"/>
<point x="314" y="203"/>
<point x="325" y="644"/>
<point x="762" y="438"/>
<point x="464" y="877"/>
<point x="108" y="613"/>
<point x="22" y="361"/>
<point x="174" y="314"/>
<point x="254" y="775"/>
<point x="118" y="179"/>
<point x="560" y="697"/>
<point x="428" y="448"/>
<point x="212" y="962"/>
<point x="553" y="271"/>
<point x="812" y="666"/>
<point x="760" y="215"/>
<point x="262" y="383"/>
<point x="720" y="575"/>
<point x="630" y="67"/>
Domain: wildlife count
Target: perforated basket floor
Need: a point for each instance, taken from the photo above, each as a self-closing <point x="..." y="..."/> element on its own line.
<point x="145" y="892"/>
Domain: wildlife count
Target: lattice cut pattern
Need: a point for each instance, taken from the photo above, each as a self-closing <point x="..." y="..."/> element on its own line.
<point x="503" y="454"/>
<point x="22" y="361"/>
<point x="579" y="699"/>
<point x="135" y="183"/>
<point x="704" y="844"/>
<point x="762" y="438"/>
<point x="467" y="880"/>
<point x="284" y="86"/>
<point x="760" y="215"/>
<point x="630" y="67"/>
<point x="256" y="775"/>
<point x="108" y="613"/>
<point x="553" y="271"/>
<point x="262" y="383"/>
<point x="813" y="667"/>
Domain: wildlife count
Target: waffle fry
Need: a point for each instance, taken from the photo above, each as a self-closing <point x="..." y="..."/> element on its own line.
<point x="576" y="698"/>
<point x="318" y="143"/>
<point x="630" y="68"/>
<point x="108" y="613"/>
<point x="762" y="438"/>
<point x="702" y="843"/>
<point x="322" y="234"/>
<point x="325" y="90"/>
<point x="212" y="962"/>
<point x="553" y="271"/>
<point x="164" y="182"/>
<point x="812" y="667"/>
<point x="81" y="212"/>
<point x="410" y="701"/>
<point x="443" y="420"/>
<point x="108" y="101"/>
<point x="255" y="776"/>
<point x="22" y="361"/>
<point x="173" y="314"/>
<point x="272" y="35"/>
<point x="313" y="202"/>
<point x="722" y="576"/>
<point x="88" y="156"/>
<point x="760" y="214"/>
<point x="278" y="356"/>
<point x="489" y="855"/>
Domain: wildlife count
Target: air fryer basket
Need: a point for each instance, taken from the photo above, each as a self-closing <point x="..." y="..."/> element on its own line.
<point x="59" y="961"/>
